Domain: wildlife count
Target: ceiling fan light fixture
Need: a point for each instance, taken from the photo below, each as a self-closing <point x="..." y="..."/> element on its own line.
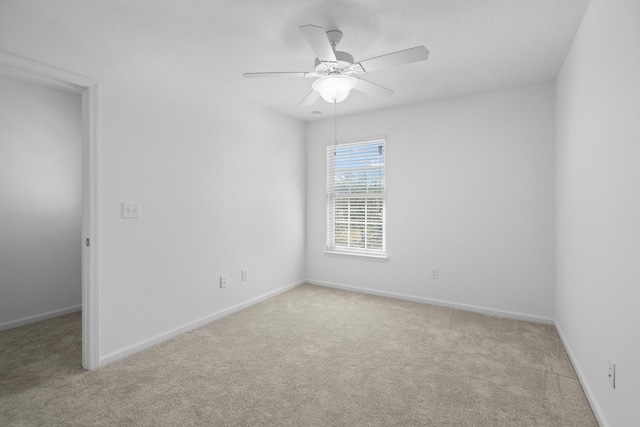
<point x="334" y="87"/>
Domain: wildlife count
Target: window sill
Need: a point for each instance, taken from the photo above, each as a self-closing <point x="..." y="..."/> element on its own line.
<point x="372" y="257"/>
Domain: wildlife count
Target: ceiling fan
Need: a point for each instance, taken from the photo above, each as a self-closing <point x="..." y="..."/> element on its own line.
<point x="337" y="72"/>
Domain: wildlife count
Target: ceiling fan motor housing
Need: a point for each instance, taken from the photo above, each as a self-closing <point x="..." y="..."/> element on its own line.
<point x="345" y="61"/>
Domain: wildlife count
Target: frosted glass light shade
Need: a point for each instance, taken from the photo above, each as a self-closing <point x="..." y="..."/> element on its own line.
<point x="334" y="88"/>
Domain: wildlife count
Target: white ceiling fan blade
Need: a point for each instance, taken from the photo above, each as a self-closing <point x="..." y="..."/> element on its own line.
<point x="310" y="99"/>
<point x="373" y="89"/>
<point x="415" y="54"/>
<point x="278" y="74"/>
<point x="317" y="38"/>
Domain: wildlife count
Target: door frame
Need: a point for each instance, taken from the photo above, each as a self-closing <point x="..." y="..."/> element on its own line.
<point x="88" y="89"/>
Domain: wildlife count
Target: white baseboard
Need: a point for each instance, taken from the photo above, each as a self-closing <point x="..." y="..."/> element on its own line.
<point x="595" y="407"/>
<point x="39" y="317"/>
<point x="466" y="307"/>
<point x="135" y="348"/>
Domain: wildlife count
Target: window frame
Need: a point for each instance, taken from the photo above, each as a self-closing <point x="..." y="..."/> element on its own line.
<point x="364" y="197"/>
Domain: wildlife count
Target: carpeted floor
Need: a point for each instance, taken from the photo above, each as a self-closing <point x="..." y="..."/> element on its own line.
<point x="312" y="356"/>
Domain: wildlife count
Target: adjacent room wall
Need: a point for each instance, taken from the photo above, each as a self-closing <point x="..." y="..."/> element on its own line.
<point x="598" y="207"/>
<point x="220" y="184"/>
<point x="40" y="202"/>
<point x="470" y="190"/>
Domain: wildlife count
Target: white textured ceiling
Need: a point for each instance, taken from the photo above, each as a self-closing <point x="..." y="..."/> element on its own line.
<point x="475" y="45"/>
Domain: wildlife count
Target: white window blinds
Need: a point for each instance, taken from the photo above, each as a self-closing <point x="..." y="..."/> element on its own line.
<point x="356" y="197"/>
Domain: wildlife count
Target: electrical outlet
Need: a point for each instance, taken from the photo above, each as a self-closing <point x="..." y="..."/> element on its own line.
<point x="223" y="281"/>
<point x="243" y="275"/>
<point x="130" y="210"/>
<point x="435" y="273"/>
<point x="612" y="374"/>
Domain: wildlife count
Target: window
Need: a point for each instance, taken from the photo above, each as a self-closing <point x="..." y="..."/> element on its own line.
<point x="356" y="198"/>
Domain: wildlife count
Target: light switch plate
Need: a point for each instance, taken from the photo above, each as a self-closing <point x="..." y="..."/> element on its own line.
<point x="130" y="210"/>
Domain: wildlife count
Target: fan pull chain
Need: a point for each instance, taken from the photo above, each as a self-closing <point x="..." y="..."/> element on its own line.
<point x="335" y="127"/>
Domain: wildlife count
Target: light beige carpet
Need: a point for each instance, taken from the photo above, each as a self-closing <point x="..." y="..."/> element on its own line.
<point x="312" y="356"/>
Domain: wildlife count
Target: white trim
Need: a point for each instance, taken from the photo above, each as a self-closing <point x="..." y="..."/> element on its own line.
<point x="44" y="73"/>
<point x="358" y="139"/>
<point x="88" y="89"/>
<point x="423" y="300"/>
<point x="91" y="189"/>
<point x="143" y="345"/>
<point x="39" y="317"/>
<point x="373" y="257"/>
<point x="595" y="407"/>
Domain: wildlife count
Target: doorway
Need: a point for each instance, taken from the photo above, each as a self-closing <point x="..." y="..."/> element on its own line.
<point x="22" y="69"/>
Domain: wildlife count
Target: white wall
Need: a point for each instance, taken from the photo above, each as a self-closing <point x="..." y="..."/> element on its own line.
<point x="470" y="190"/>
<point x="40" y="202"/>
<point x="220" y="183"/>
<point x="598" y="207"/>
